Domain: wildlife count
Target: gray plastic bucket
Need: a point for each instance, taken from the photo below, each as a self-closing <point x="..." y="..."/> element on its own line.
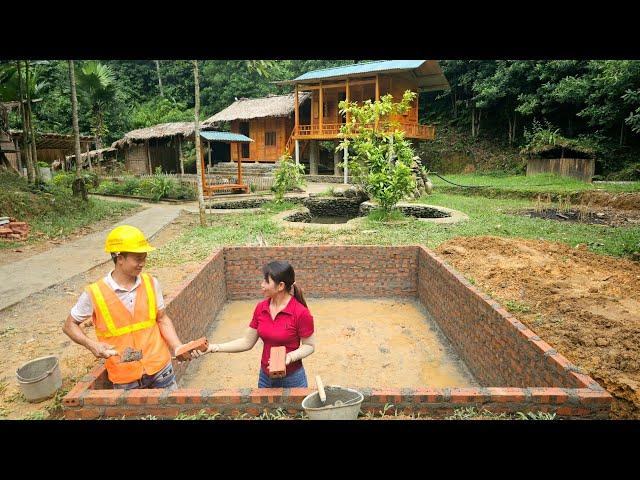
<point x="39" y="378"/>
<point x="342" y="404"/>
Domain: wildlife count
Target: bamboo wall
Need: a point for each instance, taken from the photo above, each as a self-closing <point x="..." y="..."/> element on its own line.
<point x="579" y="168"/>
<point x="135" y="159"/>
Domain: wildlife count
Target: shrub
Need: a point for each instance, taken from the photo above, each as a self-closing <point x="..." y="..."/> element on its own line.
<point x="287" y="176"/>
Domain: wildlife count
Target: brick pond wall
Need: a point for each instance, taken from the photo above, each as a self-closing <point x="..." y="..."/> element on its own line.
<point x="517" y="370"/>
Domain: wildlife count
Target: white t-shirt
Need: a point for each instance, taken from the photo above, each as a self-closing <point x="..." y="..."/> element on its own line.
<point x="83" y="309"/>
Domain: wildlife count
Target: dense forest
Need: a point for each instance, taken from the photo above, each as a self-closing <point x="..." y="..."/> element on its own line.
<point x="595" y="102"/>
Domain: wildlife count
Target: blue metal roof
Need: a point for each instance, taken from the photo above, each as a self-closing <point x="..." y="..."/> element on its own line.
<point x="224" y="137"/>
<point x="360" y="68"/>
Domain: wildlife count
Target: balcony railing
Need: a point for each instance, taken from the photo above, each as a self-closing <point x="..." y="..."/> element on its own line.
<point x="331" y="130"/>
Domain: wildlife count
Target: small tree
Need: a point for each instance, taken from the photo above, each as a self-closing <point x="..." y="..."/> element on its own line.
<point x="381" y="158"/>
<point x="287" y="176"/>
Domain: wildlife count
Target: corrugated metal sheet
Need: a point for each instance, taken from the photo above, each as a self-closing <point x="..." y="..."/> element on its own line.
<point x="360" y="68"/>
<point x="224" y="137"/>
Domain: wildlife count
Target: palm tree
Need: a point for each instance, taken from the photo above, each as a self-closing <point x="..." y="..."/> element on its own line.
<point x="97" y="85"/>
<point x="79" y="188"/>
<point x="203" y="218"/>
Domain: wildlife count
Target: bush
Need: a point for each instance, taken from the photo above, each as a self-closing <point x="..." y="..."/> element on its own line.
<point x="630" y="173"/>
<point x="288" y="175"/>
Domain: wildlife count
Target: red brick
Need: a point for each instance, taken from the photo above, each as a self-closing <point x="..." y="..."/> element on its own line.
<point x="231" y="396"/>
<point x="298" y="394"/>
<point x="143" y="397"/>
<point x="102" y="397"/>
<point x="83" y="413"/>
<point x="277" y="367"/>
<point x="184" y="395"/>
<point x="588" y="397"/>
<point x="266" y="395"/>
<point x="508" y="394"/>
<point x="549" y="395"/>
<point x="387" y="396"/>
<point x="466" y="395"/>
<point x="584" y="380"/>
<point x="183" y="352"/>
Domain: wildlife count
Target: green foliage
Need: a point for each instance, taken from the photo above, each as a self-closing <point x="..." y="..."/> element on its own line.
<point x="37" y="415"/>
<point x="201" y="415"/>
<point x="155" y="188"/>
<point x="382" y="215"/>
<point x="277" y="206"/>
<point x="382" y="158"/>
<point x="160" y="110"/>
<point x="287" y="176"/>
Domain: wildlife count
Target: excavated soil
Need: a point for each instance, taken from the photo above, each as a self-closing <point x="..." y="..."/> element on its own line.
<point x="587" y="306"/>
<point x="602" y="216"/>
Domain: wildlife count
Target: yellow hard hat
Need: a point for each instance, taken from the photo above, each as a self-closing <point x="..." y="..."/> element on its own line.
<point x="126" y="238"/>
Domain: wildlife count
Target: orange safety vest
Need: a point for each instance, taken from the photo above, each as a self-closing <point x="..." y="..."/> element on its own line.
<point x="116" y="326"/>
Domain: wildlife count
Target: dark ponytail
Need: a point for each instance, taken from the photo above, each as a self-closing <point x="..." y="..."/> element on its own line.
<point x="283" y="272"/>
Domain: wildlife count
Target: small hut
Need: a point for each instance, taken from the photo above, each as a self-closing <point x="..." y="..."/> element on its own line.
<point x="157" y="146"/>
<point x="51" y="147"/>
<point x="268" y="120"/>
<point x="565" y="157"/>
<point x="94" y="158"/>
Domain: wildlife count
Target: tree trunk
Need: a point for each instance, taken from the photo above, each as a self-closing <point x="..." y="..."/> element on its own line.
<point x="622" y="133"/>
<point x="515" y="118"/>
<point x="79" y="188"/>
<point x="478" y="126"/>
<point x="25" y="130"/>
<point x="473" y="122"/>
<point x="34" y="152"/>
<point x="159" y="77"/>
<point x="199" y="166"/>
<point x="509" y="128"/>
<point x="181" y="156"/>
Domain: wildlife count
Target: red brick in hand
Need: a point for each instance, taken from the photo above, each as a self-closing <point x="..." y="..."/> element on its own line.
<point x="183" y="352"/>
<point x="277" y="363"/>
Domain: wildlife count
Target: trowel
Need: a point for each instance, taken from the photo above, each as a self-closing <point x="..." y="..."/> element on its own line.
<point x="128" y="355"/>
<point x="321" y="392"/>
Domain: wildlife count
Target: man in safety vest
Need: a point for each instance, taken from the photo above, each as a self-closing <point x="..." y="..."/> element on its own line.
<point x="128" y="313"/>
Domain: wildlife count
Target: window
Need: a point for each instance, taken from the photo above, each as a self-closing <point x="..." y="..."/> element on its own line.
<point x="270" y="138"/>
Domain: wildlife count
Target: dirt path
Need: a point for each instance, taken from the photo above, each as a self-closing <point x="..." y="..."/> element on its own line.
<point x="586" y="306"/>
<point x="33" y="328"/>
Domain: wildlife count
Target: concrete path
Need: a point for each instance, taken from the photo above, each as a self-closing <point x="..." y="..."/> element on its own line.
<point x="20" y="279"/>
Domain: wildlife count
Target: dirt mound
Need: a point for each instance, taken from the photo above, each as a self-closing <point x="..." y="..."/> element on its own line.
<point x="621" y="201"/>
<point x="601" y="216"/>
<point x="587" y="306"/>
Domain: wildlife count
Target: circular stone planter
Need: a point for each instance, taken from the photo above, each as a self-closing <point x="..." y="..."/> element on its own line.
<point x="301" y="212"/>
<point x="422" y="212"/>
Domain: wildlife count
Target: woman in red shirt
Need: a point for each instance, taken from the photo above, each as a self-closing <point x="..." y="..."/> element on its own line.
<point x="282" y="319"/>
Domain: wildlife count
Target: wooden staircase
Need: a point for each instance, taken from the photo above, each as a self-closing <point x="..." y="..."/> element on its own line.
<point x="290" y="146"/>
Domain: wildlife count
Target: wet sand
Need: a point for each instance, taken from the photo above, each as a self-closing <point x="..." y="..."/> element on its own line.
<point x="359" y="343"/>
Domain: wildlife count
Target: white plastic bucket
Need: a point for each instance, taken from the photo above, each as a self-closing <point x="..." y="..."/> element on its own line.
<point x="39" y="378"/>
<point x="341" y="404"/>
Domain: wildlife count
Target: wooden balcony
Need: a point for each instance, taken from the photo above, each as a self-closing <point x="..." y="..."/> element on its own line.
<point x="330" y="131"/>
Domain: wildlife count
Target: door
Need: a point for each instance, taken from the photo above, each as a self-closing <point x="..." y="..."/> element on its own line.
<point x="244" y="130"/>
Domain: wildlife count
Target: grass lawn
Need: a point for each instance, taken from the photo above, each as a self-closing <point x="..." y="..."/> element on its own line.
<point x="54" y="213"/>
<point x="542" y="183"/>
<point x="487" y="217"/>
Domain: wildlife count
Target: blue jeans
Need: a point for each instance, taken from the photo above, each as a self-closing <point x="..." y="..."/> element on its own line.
<point x="165" y="378"/>
<point x="293" y="380"/>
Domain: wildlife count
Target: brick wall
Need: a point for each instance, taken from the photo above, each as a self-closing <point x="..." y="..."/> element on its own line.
<point x="195" y="305"/>
<point x="517" y="370"/>
<point x="325" y="271"/>
<point x="499" y="350"/>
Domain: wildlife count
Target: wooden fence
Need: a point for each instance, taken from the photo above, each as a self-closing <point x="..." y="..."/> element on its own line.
<point x="579" y="168"/>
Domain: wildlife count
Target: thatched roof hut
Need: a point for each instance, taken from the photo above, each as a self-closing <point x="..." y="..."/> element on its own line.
<point x="250" y="108"/>
<point x="561" y="148"/>
<point x="163" y="130"/>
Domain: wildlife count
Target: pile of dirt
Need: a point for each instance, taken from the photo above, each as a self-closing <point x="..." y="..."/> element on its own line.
<point x="603" y="216"/>
<point x="621" y="201"/>
<point x="587" y="306"/>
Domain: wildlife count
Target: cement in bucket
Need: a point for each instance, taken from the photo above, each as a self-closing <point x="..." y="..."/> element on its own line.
<point x="342" y="404"/>
<point x="39" y="378"/>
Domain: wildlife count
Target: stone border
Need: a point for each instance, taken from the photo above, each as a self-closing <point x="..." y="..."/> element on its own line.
<point x="456" y="216"/>
<point x="279" y="219"/>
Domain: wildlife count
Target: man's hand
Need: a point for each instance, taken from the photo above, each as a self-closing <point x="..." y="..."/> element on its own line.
<point x="102" y="350"/>
<point x="287" y="359"/>
<point x="212" y="348"/>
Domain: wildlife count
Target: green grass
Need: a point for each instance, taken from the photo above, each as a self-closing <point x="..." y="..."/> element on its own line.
<point x="487" y="217"/>
<point x="54" y="212"/>
<point x="542" y="183"/>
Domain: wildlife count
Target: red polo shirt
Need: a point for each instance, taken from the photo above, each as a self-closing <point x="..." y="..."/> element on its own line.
<point x="291" y="324"/>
